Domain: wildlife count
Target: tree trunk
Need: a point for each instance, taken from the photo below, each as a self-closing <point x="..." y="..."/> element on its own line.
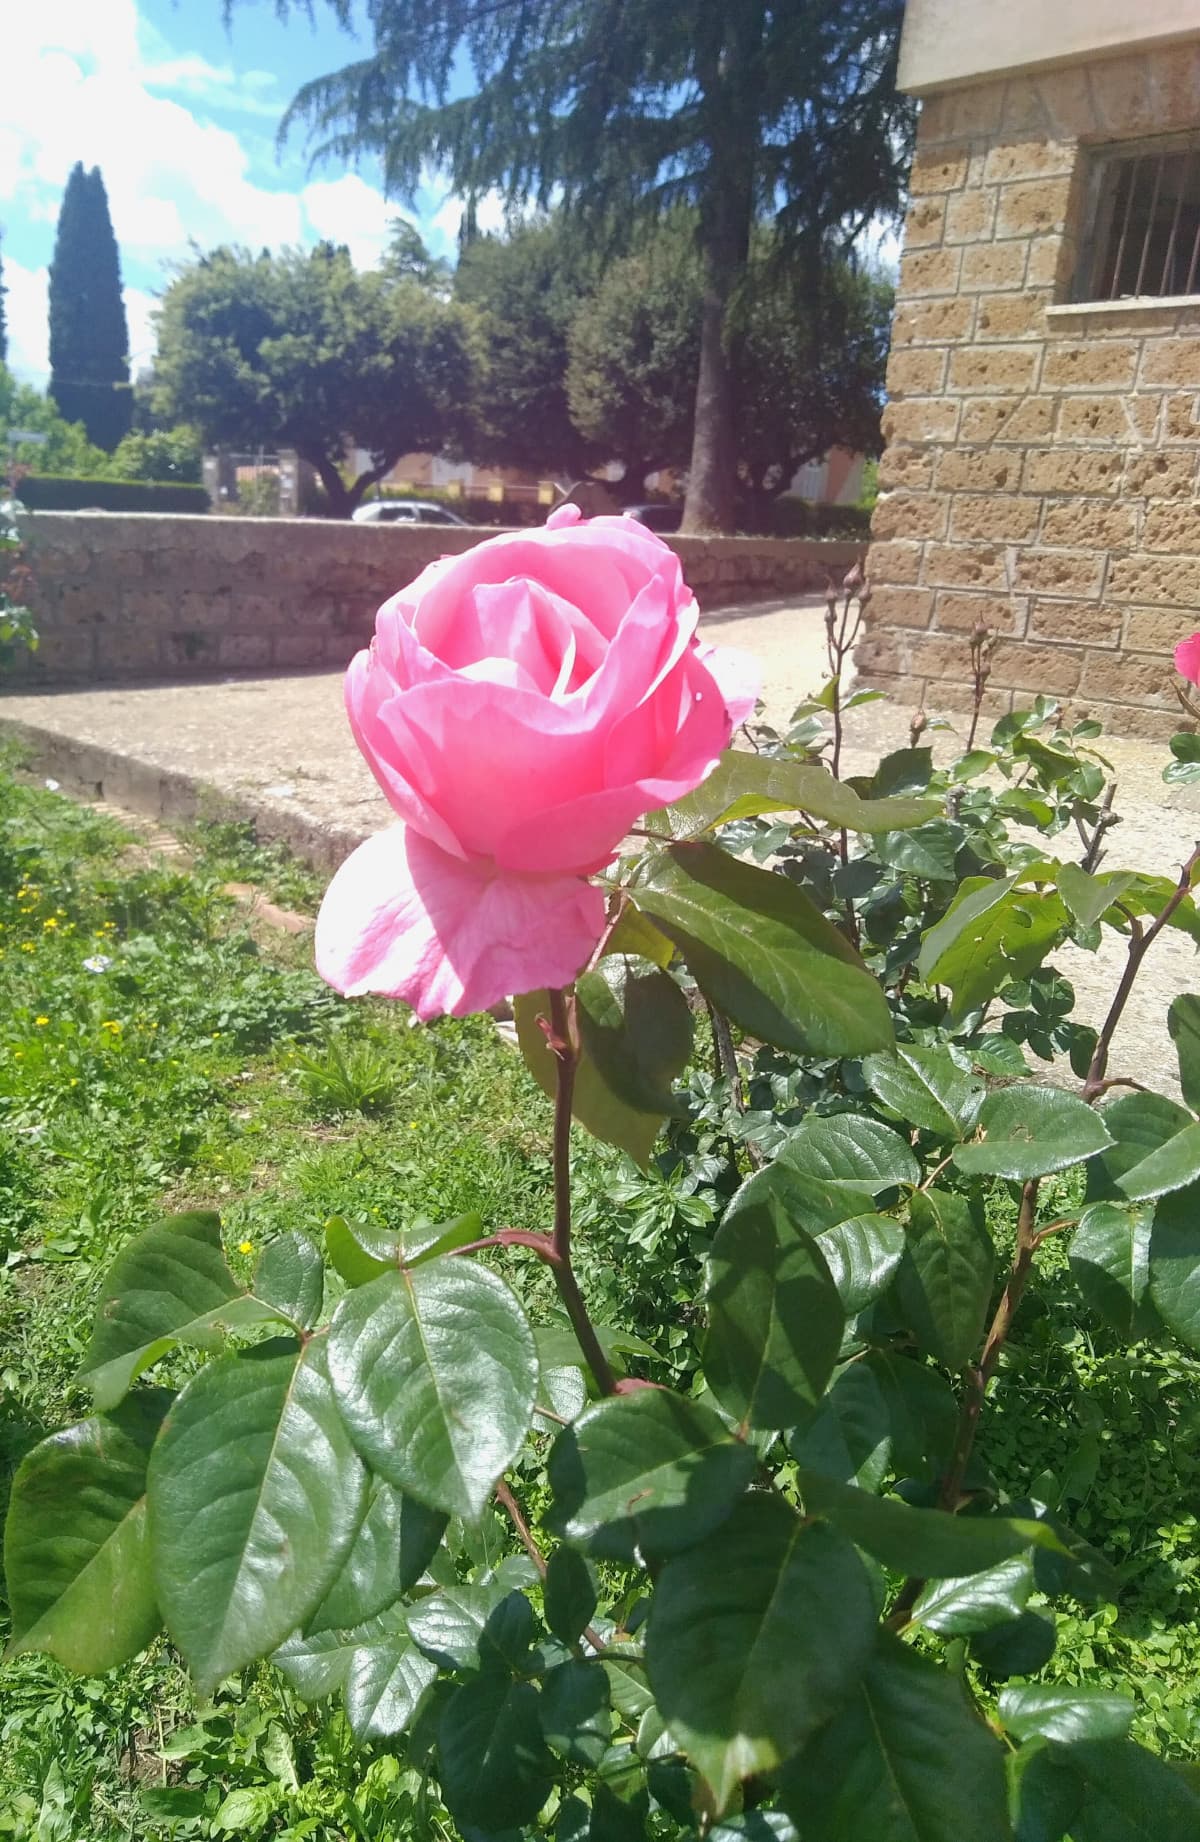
<point x="344" y="500"/>
<point x="712" y="471"/>
<point x="341" y="504"/>
<point x="726" y="214"/>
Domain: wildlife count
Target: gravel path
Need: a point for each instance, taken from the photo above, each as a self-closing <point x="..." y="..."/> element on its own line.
<point x="278" y="749"/>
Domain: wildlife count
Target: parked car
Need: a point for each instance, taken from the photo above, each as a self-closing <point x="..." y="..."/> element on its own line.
<point x="657" y="517"/>
<point x="405" y="511"/>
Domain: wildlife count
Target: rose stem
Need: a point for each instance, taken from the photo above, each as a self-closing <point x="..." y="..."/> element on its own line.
<point x="566" y="1053"/>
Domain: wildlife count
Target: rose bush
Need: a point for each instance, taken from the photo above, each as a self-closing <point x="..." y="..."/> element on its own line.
<point x="800" y="1590"/>
<point x="520" y="706"/>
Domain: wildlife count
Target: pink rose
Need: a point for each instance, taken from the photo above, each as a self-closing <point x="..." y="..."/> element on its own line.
<point x="1187" y="658"/>
<point x="520" y="705"/>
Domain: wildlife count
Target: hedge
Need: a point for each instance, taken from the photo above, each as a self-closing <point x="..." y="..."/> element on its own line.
<point x="63" y="493"/>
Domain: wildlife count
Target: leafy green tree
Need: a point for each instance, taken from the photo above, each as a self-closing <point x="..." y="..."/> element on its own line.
<point x="527" y="288"/>
<point x="299" y="350"/>
<point x="743" y="108"/>
<point x="66" y="449"/>
<point x="808" y="363"/>
<point x="161" y="454"/>
<point x="89" y="338"/>
<point x="634" y="350"/>
<point x="407" y="259"/>
<point x="810" y="370"/>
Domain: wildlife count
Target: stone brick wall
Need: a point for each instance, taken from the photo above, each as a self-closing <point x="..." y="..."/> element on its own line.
<point x="140" y="597"/>
<point x="1041" y="470"/>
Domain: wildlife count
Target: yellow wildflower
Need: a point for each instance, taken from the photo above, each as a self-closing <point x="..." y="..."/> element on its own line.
<point x="50" y="921"/>
<point x="113" y="1028"/>
<point x="245" y="1247"/>
<point x="40" y="1021"/>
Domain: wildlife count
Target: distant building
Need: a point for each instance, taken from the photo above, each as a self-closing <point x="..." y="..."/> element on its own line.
<point x="836" y="480"/>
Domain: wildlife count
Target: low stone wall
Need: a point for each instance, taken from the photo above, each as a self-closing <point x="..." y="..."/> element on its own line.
<point x="122" y="598"/>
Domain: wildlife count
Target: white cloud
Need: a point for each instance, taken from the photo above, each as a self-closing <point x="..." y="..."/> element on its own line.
<point x="348" y="210"/>
<point x="26" y="312"/>
<point x="78" y="88"/>
<point x="87" y="80"/>
<point x="217" y="84"/>
<point x="25" y="316"/>
<point x="879" y="246"/>
<point x="171" y="175"/>
<point x="445" y="223"/>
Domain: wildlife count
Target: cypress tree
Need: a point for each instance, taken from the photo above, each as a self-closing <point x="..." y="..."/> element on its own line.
<point x="89" y="339"/>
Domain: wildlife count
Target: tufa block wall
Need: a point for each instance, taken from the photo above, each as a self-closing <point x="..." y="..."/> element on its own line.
<point x="120" y="597"/>
<point x="1043" y="461"/>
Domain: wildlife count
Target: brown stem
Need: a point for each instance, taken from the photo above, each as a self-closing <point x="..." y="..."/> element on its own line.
<point x="1140" y="943"/>
<point x="1060" y="1227"/>
<point x="727" y="1062"/>
<point x="566" y="1051"/>
<point x="618" y="901"/>
<point x="728" y="1069"/>
<point x="1186" y="699"/>
<point x="515" y="1514"/>
<point x="512" y="1508"/>
<point x="1010" y="1298"/>
<point x="982" y="642"/>
<point x="1029" y="1237"/>
<point x="541" y="1244"/>
<point x="839" y="642"/>
<point x="977" y="1379"/>
<point x="1106" y="818"/>
<point x="975" y="1383"/>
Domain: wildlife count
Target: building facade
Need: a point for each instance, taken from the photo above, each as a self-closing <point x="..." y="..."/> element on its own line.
<point x="1041" y="476"/>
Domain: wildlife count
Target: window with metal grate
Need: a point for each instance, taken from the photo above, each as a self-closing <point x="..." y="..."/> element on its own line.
<point x="1143" y="222"/>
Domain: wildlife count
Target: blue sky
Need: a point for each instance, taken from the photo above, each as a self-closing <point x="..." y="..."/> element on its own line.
<point x="180" y="116"/>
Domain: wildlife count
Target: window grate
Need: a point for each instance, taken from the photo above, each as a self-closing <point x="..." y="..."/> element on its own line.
<point x="1145" y="224"/>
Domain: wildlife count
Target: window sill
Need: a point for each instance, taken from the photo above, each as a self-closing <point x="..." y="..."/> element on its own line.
<point x="1141" y="306"/>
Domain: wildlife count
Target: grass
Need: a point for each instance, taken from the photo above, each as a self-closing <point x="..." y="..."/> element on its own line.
<point x="155" y="1056"/>
<point x="1111" y="1429"/>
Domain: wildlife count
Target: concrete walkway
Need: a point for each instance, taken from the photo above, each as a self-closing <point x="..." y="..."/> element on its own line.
<point x="278" y="750"/>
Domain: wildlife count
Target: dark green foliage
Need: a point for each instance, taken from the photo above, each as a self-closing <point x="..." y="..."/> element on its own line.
<point x="299" y="350"/>
<point x="52" y="493"/>
<point x="89" y="339"/>
<point x="527" y="287"/>
<point x="905" y="1761"/>
<point x="160" y="455"/>
<point x="784" y="113"/>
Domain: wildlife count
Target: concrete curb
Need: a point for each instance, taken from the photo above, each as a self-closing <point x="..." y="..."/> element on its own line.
<point x="97" y="773"/>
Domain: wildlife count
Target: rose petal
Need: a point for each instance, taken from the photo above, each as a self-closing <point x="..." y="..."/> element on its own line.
<point x="368" y="690"/>
<point x="598" y="564"/>
<point x="655" y="755"/>
<point x="482" y="758"/>
<point x="1187" y="658"/>
<point x="406" y="920"/>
